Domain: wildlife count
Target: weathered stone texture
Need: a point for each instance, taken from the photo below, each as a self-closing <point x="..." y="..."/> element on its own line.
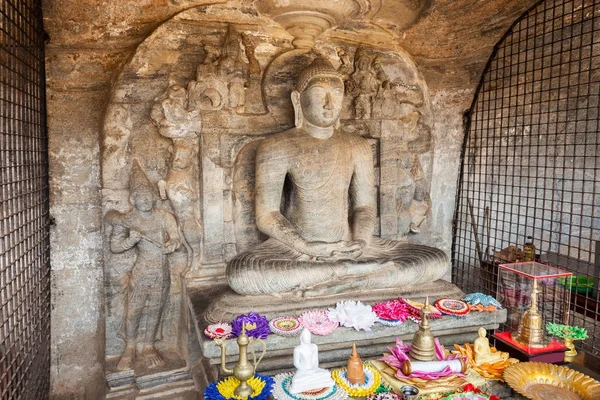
<point x="90" y="42"/>
<point x="448" y="106"/>
<point x="76" y="242"/>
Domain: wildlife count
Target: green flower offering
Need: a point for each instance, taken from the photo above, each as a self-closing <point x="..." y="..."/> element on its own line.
<point x="566" y="331"/>
<point x="569" y="334"/>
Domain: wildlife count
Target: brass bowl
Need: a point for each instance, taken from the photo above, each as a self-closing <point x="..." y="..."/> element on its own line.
<point x="548" y="382"/>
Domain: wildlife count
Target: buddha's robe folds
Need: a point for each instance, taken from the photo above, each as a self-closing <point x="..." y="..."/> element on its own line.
<point x="326" y="177"/>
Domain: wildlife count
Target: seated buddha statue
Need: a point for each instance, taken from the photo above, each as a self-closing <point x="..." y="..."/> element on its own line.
<point x="308" y="375"/>
<point x="315" y="200"/>
<point x="483" y="351"/>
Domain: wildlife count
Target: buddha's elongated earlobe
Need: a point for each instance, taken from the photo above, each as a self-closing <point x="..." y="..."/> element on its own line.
<point x="298" y="117"/>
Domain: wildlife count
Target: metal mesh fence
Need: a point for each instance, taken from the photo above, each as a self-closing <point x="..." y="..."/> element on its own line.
<point x="530" y="158"/>
<point x="24" y="217"/>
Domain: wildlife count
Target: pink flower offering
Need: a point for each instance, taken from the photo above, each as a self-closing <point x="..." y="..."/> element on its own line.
<point x="318" y="322"/>
<point x="393" y="310"/>
<point x="399" y="354"/>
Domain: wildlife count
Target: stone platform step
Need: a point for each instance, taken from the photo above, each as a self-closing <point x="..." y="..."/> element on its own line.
<point x="182" y="390"/>
<point x="334" y="349"/>
<point x="221" y="304"/>
<point x="172" y="380"/>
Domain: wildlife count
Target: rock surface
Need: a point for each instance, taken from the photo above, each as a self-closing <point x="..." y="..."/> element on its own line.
<point x="93" y="57"/>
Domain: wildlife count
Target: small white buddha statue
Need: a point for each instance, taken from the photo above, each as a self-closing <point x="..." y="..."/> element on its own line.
<point x="483" y="351"/>
<point x="308" y="375"/>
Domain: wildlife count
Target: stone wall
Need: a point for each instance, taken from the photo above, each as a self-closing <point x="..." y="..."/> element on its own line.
<point x="89" y="46"/>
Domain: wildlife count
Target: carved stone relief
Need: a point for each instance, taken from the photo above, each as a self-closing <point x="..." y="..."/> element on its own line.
<point x="224" y="76"/>
<point x="198" y="98"/>
<point x="154" y="234"/>
<point x="178" y="121"/>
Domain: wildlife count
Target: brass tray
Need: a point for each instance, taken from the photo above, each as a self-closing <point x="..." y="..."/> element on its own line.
<point x="549" y="382"/>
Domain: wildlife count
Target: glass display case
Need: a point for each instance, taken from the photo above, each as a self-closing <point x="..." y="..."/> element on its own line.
<point x="533" y="295"/>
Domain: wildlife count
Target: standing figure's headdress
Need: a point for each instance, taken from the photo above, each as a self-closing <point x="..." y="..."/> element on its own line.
<point x="139" y="179"/>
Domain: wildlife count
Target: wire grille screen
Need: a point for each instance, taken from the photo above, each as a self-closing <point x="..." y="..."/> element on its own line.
<point x="24" y="218"/>
<point x="531" y="158"/>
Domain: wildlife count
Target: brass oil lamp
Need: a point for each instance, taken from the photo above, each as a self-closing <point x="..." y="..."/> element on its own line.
<point x="531" y="328"/>
<point x="243" y="369"/>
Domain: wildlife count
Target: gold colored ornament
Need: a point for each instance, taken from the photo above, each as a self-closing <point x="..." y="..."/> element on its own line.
<point x="572" y="352"/>
<point x="548" y="381"/>
<point x="531" y="331"/>
<point x="423" y="344"/>
<point x="489" y="371"/>
<point x="243" y="370"/>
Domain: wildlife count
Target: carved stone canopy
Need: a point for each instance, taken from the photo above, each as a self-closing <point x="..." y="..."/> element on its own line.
<point x="307" y="19"/>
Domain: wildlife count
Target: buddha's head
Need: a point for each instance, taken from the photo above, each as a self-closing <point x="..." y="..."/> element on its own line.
<point x="305" y="336"/>
<point x="318" y="95"/>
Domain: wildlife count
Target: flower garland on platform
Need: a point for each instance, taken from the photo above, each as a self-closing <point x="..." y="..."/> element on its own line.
<point x="414" y="308"/>
<point x="353" y="314"/>
<point x="393" y="310"/>
<point x="467" y="392"/>
<point x="281" y="390"/>
<point x="481" y="302"/>
<point x="390" y="322"/>
<point x="256" y="325"/>
<point x="218" y="331"/>
<point x="318" y="322"/>
<point x="372" y="381"/>
<point x="285" y="326"/>
<point x="261" y="385"/>
<point x="453" y="307"/>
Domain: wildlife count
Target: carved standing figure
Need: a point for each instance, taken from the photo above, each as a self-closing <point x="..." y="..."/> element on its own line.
<point x="364" y="84"/>
<point x="154" y="234"/>
<point x="183" y="126"/>
<point x="320" y="242"/>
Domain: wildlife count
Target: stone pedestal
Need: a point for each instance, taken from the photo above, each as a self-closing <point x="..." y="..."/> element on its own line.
<point x="222" y="304"/>
<point x="335" y="348"/>
<point x="145" y="383"/>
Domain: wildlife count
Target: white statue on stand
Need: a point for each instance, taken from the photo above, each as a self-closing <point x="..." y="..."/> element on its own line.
<point x="308" y="375"/>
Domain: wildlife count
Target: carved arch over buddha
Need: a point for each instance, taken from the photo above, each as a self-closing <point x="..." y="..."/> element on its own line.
<point x="237" y="68"/>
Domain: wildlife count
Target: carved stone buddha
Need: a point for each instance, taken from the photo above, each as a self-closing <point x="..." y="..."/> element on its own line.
<point x="315" y="200"/>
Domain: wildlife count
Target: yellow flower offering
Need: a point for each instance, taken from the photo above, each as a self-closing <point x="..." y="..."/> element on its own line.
<point x="227" y="387"/>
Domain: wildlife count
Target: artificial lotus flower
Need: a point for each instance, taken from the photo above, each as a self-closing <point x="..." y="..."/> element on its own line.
<point x="353" y="314"/>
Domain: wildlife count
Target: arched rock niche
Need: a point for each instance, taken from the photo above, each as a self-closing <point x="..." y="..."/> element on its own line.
<point x="388" y="102"/>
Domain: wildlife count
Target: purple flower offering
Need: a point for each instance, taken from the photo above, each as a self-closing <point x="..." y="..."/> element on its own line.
<point x="256" y="325"/>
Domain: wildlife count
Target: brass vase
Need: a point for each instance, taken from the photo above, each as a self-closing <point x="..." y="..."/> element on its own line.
<point x="572" y="352"/>
<point x="243" y="369"/>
